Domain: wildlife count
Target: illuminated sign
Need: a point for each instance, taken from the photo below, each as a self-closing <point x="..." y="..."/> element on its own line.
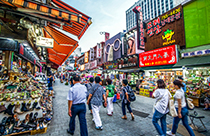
<point x="111" y="65"/>
<point x="162" y="56"/>
<point x="86" y="57"/>
<point x="168" y="35"/>
<point x="166" y="30"/>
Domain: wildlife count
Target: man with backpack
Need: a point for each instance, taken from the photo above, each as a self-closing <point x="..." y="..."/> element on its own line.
<point x="128" y="96"/>
<point x="110" y="92"/>
<point x="89" y="87"/>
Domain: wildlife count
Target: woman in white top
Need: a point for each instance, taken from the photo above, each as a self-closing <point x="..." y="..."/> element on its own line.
<point x="162" y="96"/>
<point x="180" y="105"/>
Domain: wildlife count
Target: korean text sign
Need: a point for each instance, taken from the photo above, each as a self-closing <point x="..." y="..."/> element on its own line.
<point x="166" y="30"/>
<point x="162" y="56"/>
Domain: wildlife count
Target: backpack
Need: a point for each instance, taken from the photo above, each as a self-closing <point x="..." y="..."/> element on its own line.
<point x="131" y="94"/>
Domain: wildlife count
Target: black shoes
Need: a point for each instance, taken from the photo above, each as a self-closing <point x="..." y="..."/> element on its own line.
<point x="70" y="132"/>
<point x="9" y="109"/>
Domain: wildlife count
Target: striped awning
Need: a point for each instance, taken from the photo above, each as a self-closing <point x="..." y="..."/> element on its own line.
<point x="63" y="45"/>
<point x="73" y="21"/>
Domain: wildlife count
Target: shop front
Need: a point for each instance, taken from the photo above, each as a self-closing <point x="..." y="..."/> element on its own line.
<point x="129" y="66"/>
<point x="195" y="63"/>
<point x="158" y="64"/>
<point x="110" y="71"/>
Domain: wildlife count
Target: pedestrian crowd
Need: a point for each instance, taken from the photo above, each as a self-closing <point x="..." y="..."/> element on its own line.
<point x="93" y="94"/>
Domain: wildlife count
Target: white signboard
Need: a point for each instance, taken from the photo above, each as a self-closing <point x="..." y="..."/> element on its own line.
<point x="44" y="42"/>
<point x="93" y="64"/>
<point x="99" y="51"/>
<point x="196" y="53"/>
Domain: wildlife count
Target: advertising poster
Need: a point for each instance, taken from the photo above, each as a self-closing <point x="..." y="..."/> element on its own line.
<point x="131" y="44"/>
<point x="113" y="48"/>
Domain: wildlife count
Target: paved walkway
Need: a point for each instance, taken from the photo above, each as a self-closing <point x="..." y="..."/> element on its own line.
<point x="114" y="125"/>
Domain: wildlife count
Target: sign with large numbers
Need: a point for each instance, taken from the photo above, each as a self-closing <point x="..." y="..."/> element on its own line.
<point x="44" y="42"/>
<point x="162" y="56"/>
<point x="165" y="30"/>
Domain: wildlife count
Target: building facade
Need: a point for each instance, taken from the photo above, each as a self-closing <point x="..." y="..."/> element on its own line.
<point x="150" y="10"/>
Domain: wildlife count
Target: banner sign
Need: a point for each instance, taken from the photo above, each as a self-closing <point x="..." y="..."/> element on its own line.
<point x="93" y="64"/>
<point x="99" y="51"/>
<point x="162" y="56"/>
<point x="91" y="54"/>
<point x="86" y="57"/>
<point x="163" y="30"/>
<point x="87" y="66"/>
<point x="82" y="67"/>
<point x="126" y="62"/>
<point x="111" y="65"/>
<point x="44" y="42"/>
<point x="196" y="53"/>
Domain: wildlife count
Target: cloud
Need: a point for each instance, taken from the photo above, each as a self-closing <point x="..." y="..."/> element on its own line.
<point x="105" y="13"/>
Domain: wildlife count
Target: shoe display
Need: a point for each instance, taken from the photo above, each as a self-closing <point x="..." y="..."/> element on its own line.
<point x="24" y="108"/>
<point x="2" y="108"/>
<point x="17" y="109"/>
<point x="9" y="109"/>
<point x="18" y="98"/>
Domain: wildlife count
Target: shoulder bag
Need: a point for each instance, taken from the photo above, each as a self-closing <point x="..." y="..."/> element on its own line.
<point x="189" y="104"/>
<point x="172" y="110"/>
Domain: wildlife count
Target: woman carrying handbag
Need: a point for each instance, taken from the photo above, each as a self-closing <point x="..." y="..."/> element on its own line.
<point x="180" y="105"/>
<point x="161" y="107"/>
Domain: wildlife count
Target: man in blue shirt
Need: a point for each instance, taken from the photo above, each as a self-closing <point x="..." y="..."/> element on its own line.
<point x="185" y="87"/>
<point x="76" y="106"/>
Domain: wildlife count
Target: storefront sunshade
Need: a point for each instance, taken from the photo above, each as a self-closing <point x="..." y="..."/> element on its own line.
<point x="75" y="28"/>
<point x="193" y="61"/>
<point x="70" y="19"/>
<point x="130" y="70"/>
<point x="8" y="44"/>
<point x="157" y="67"/>
<point x="63" y="45"/>
<point x="39" y="8"/>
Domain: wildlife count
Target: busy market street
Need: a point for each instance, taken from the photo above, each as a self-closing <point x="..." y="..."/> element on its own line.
<point x="114" y="125"/>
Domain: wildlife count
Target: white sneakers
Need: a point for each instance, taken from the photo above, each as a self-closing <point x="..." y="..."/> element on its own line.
<point x="170" y="133"/>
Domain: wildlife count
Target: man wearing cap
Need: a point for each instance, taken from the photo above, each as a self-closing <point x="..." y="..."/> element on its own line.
<point x="76" y="106"/>
<point x="96" y="95"/>
<point x="185" y="87"/>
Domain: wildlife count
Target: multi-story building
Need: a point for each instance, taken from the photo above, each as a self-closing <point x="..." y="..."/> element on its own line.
<point x="150" y="9"/>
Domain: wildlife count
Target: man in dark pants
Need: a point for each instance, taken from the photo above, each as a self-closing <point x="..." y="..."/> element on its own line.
<point x="76" y="106"/>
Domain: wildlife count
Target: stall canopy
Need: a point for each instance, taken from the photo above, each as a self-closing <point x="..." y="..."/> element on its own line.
<point x="8" y="44"/>
<point x="76" y="28"/>
<point x="198" y="61"/>
<point x="61" y="14"/>
<point x="63" y="45"/>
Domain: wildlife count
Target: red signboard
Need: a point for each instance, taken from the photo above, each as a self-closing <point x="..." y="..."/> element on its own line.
<point x="162" y="56"/>
<point x="21" y="49"/>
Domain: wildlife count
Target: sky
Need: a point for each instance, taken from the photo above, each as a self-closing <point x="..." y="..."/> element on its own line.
<point x="107" y="15"/>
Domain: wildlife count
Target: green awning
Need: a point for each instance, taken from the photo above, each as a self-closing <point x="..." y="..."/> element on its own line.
<point x="157" y="67"/>
<point x="194" y="61"/>
<point x="204" y="47"/>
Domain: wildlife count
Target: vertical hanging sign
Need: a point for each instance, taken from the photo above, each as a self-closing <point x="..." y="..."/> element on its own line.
<point x="98" y="50"/>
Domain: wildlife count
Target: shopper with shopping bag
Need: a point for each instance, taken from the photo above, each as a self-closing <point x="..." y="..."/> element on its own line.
<point x="161" y="108"/>
<point x="110" y="92"/>
<point x="180" y="105"/>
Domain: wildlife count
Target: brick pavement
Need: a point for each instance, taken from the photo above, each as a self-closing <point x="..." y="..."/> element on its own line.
<point x="114" y="125"/>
